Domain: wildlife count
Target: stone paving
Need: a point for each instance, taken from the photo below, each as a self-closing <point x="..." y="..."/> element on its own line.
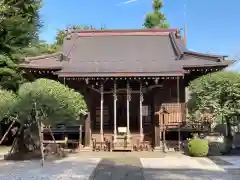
<point x="124" y="166"/>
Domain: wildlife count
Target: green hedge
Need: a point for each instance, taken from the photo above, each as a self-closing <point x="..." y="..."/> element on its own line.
<point x="198" y="147"/>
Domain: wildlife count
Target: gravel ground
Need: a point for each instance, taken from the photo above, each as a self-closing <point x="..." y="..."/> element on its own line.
<point x="69" y="168"/>
<point x="122" y="166"/>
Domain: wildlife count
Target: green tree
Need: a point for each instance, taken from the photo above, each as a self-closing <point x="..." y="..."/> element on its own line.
<point x="7" y="102"/>
<point x="10" y="75"/>
<point x="156" y="19"/>
<point x="216" y="97"/>
<point x="54" y="102"/>
<point x="45" y="101"/>
<point x="19" y="25"/>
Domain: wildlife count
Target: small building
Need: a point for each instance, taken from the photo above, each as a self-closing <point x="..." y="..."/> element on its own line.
<point x="126" y="76"/>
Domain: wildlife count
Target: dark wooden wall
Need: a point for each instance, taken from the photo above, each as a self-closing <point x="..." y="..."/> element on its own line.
<point x="153" y="100"/>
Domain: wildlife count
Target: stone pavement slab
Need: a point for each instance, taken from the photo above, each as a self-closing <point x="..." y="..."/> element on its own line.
<point x="184" y="168"/>
<point x="180" y="162"/>
<point x="233" y="162"/>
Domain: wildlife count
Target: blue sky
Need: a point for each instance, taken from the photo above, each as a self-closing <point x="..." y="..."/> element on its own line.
<point x="212" y="25"/>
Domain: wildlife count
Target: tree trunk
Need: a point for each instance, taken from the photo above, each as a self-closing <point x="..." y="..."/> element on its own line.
<point x="6" y="133"/>
<point x="21" y="144"/>
<point x="229" y="137"/>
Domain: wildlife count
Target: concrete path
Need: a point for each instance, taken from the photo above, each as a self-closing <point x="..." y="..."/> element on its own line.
<point x="232" y="162"/>
<point x="181" y="168"/>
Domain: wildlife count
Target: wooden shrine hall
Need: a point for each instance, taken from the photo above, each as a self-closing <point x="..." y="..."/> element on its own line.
<point x="126" y="77"/>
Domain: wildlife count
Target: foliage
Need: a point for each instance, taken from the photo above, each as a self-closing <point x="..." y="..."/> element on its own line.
<point x="61" y="34"/>
<point x="156" y="19"/>
<point x="38" y="49"/>
<point x="198" y="147"/>
<point x="19" y="25"/>
<point x="7" y="102"/>
<point x="10" y="76"/>
<point x="215" y="97"/>
<point x="49" y="101"/>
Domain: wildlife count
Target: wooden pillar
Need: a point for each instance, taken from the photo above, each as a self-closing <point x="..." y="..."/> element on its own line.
<point x="157" y="132"/>
<point x="140" y="109"/>
<point x="80" y="137"/>
<point x="160" y="131"/>
<point x="88" y="130"/>
<point x="187" y="97"/>
<point x="101" y="113"/>
<point x="64" y="81"/>
<point x="180" y="109"/>
<point x="164" y="133"/>
<point x="128" y="114"/>
<point x="115" y="109"/>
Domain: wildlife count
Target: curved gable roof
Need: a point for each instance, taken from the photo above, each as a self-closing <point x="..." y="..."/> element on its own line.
<point x="49" y="61"/>
<point x="125" y="51"/>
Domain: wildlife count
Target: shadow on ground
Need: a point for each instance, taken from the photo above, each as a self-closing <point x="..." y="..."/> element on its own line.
<point x="118" y="168"/>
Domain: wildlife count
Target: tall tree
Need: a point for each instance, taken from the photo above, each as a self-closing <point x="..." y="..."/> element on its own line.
<point x="156" y="19"/>
<point x="19" y="25"/>
<point x="216" y="97"/>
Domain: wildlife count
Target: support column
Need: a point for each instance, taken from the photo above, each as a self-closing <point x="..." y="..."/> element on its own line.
<point x="140" y="109"/>
<point x="178" y="102"/>
<point x="64" y="81"/>
<point x="101" y="113"/>
<point x="128" y="100"/>
<point x="88" y="130"/>
<point x="80" y="137"/>
<point x="115" y="110"/>
<point x="187" y="97"/>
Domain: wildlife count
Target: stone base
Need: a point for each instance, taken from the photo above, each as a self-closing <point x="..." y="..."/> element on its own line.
<point x="86" y="149"/>
<point x="157" y="149"/>
<point x="161" y="148"/>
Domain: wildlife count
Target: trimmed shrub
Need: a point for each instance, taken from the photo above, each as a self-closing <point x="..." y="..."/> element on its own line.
<point x="198" y="147"/>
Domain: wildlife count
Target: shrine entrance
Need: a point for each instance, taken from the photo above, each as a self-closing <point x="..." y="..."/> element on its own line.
<point x="122" y="110"/>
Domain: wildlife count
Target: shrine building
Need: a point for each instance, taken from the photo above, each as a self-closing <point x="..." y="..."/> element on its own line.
<point x="126" y="77"/>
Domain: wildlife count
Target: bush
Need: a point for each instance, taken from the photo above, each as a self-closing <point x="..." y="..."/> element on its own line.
<point x="198" y="147"/>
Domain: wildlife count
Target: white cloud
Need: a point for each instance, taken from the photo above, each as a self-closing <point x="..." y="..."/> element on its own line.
<point x="127" y="2"/>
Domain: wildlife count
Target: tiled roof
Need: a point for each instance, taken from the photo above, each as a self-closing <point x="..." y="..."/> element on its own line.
<point x="49" y="61"/>
<point x="115" y="52"/>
